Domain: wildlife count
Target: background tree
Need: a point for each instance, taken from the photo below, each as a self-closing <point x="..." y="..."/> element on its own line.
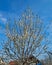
<point x="24" y="37"/>
<point x="48" y="60"/>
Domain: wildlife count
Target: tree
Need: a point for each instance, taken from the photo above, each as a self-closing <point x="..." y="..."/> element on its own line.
<point x="48" y="61"/>
<point x="24" y="37"/>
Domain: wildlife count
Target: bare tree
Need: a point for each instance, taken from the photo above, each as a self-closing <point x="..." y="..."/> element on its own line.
<point x="47" y="61"/>
<point x="24" y="37"/>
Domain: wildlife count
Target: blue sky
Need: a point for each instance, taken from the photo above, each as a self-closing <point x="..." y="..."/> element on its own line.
<point x="14" y="8"/>
<point x="41" y="7"/>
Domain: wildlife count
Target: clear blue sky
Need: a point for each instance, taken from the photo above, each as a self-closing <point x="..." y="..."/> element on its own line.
<point x="14" y="8"/>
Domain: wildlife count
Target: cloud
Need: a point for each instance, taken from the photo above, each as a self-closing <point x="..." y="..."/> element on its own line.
<point x="2" y="18"/>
